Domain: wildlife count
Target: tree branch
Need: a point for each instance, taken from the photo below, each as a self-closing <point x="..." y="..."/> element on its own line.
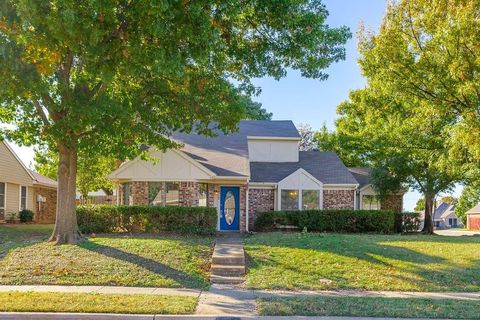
<point x="41" y="112"/>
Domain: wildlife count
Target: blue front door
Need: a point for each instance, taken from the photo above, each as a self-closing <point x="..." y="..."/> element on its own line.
<point x="229" y="208"/>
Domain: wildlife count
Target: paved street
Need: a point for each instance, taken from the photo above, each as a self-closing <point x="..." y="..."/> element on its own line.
<point x="457" y="232"/>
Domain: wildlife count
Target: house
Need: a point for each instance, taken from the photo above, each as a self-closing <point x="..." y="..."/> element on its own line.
<point x="259" y="168"/>
<point x="444" y="217"/>
<point x="21" y="188"/>
<point x="367" y="198"/>
<point x="473" y="218"/>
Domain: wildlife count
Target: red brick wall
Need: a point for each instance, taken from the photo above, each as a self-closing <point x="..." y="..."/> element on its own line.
<point x="338" y="199"/>
<point x="259" y="200"/>
<point x="45" y="212"/>
<point x="139" y="194"/>
<point x="188" y="194"/>
<point x="392" y="202"/>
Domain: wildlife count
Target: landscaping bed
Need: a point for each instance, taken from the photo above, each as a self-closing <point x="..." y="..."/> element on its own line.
<point x="370" y="307"/>
<point x="96" y="303"/>
<point x="318" y="261"/>
<point x="160" y="260"/>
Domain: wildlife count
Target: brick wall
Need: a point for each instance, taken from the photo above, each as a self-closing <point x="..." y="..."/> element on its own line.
<point x="45" y="212"/>
<point x="243" y="208"/>
<point x="188" y="194"/>
<point x="392" y="202"/>
<point x="139" y="194"/>
<point x="259" y="200"/>
<point x="338" y="199"/>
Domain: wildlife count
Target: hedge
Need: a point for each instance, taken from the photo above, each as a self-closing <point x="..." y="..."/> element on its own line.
<point x="150" y="219"/>
<point x="354" y="221"/>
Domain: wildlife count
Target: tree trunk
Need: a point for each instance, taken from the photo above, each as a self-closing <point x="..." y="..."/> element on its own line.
<point x="66" y="228"/>
<point x="428" y="221"/>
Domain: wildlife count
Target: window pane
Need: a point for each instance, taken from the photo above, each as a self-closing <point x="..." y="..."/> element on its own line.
<point x="155" y="194"/>
<point x="2" y="188"/>
<point x="310" y="199"/>
<point x="2" y="201"/>
<point x="172" y="194"/>
<point x="23" y="198"/>
<point x="202" y="194"/>
<point x="126" y="193"/>
<point x="289" y="200"/>
<point x="370" y="202"/>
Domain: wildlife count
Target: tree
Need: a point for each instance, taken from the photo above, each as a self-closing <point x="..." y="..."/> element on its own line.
<point x="380" y="128"/>
<point x="420" y="205"/>
<point x="470" y="197"/>
<point x="449" y="199"/>
<point x="91" y="174"/>
<point x="254" y="110"/>
<point x="342" y="145"/>
<point x="307" y="141"/>
<point x="428" y="50"/>
<point x="99" y="78"/>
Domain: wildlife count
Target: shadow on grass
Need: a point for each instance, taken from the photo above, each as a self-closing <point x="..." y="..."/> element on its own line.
<point x="437" y="272"/>
<point x="184" y="279"/>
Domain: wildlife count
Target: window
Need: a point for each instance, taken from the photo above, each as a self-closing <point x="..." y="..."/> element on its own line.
<point x="126" y="193"/>
<point x="172" y="197"/>
<point x="289" y="200"/>
<point x="370" y="202"/>
<point x="310" y="199"/>
<point x="202" y="195"/>
<point x="23" y="197"/>
<point x="155" y="194"/>
<point x="455" y="222"/>
<point x="2" y="200"/>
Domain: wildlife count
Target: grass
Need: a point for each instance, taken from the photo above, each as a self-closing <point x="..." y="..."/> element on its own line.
<point x="96" y="303"/>
<point x="165" y="260"/>
<point x="370" y="307"/>
<point x="13" y="236"/>
<point x="295" y="261"/>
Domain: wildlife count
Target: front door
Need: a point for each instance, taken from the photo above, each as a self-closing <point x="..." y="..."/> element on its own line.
<point x="229" y="208"/>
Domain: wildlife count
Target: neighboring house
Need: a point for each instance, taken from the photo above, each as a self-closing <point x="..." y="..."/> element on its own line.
<point x="259" y="168"/>
<point x="473" y="218"/>
<point x="21" y="188"/>
<point x="366" y="196"/>
<point x="444" y="217"/>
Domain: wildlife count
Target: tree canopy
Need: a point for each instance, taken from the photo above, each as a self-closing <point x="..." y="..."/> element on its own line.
<point x="102" y="77"/>
<point x="470" y="197"/>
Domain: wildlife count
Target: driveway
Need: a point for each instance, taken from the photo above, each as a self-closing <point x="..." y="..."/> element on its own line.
<point x="457" y="232"/>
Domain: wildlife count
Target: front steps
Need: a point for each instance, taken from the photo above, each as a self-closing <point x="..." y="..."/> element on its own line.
<point x="228" y="260"/>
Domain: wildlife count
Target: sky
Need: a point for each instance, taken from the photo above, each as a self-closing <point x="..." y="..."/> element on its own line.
<point x="312" y="101"/>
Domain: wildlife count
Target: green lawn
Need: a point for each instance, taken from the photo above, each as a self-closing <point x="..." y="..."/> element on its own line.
<point x="371" y="262"/>
<point x="96" y="303"/>
<point x="370" y="307"/>
<point x="156" y="261"/>
<point x="13" y="236"/>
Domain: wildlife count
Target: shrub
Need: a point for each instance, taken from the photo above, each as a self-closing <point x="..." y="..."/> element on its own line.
<point x="329" y="220"/>
<point x="111" y="218"/>
<point x="25" y="215"/>
<point x="410" y="221"/>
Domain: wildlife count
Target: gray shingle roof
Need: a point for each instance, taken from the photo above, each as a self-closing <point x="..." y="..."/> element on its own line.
<point x="227" y="155"/>
<point x="475" y="209"/>
<point x="41" y="179"/>
<point x="443" y="210"/>
<point x="362" y="175"/>
<point x="324" y="166"/>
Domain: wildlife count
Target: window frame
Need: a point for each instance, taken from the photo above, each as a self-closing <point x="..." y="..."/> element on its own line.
<point x="374" y="198"/>
<point x="311" y="190"/>
<point x="299" y="205"/>
<point x="21" y="198"/>
<point x="4" y="204"/>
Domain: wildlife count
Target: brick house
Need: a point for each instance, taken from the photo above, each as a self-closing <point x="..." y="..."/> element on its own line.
<point x="259" y="168"/>
<point x="473" y="218"/>
<point x="21" y="188"/>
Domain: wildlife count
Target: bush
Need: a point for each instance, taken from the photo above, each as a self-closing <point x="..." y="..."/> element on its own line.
<point x="111" y="218"/>
<point x="410" y="221"/>
<point x="329" y="220"/>
<point x="25" y="216"/>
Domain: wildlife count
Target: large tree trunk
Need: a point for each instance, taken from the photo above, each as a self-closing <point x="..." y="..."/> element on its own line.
<point x="428" y="221"/>
<point x="66" y="228"/>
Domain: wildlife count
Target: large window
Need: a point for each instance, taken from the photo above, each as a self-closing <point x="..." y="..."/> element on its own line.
<point x="23" y="197"/>
<point x="2" y="200"/>
<point x="370" y="202"/>
<point x="310" y="199"/>
<point x="289" y="200"/>
<point x="126" y="193"/>
<point x="163" y="194"/>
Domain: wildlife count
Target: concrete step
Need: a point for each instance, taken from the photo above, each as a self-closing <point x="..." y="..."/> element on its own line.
<point x="228" y="260"/>
<point x="226" y="279"/>
<point x="228" y="270"/>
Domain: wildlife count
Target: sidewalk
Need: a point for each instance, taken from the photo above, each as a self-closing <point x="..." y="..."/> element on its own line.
<point x="240" y="292"/>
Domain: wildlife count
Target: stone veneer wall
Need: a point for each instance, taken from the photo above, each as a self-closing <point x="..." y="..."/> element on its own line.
<point x="188" y="194"/>
<point x="392" y="202"/>
<point x="259" y="200"/>
<point x="338" y="199"/>
<point x="45" y="212"/>
<point x="139" y="193"/>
